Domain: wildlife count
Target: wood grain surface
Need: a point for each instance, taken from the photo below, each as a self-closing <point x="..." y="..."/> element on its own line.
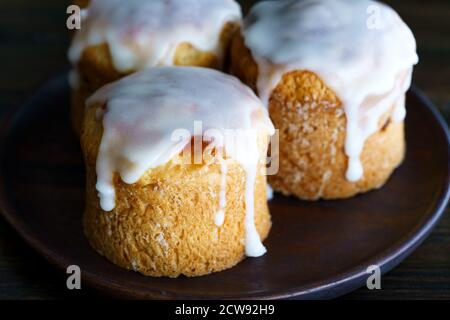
<point x="33" y="43"/>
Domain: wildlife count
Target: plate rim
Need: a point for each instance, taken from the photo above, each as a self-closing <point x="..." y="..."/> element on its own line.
<point x="387" y="259"/>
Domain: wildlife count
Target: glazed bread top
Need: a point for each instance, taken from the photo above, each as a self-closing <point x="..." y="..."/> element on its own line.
<point x="361" y="49"/>
<point x="146" y="33"/>
<point x="152" y="116"/>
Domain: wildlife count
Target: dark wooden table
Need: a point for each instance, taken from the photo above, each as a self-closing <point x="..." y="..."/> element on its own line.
<point x="33" y="42"/>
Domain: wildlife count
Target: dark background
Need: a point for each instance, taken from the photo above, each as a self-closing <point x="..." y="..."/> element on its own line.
<point x="33" y="44"/>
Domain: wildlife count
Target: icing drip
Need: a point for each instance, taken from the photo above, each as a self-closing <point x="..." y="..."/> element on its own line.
<point x="145" y="33"/>
<point x="145" y="111"/>
<point x="269" y="193"/>
<point x="74" y="78"/>
<point x="364" y="63"/>
<point x="252" y="248"/>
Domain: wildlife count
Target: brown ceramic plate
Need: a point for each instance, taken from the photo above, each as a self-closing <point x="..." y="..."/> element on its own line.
<point x="315" y="249"/>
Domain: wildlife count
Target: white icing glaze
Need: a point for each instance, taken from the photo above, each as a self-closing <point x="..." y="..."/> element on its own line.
<point x="74" y="78"/>
<point x="145" y="111"/>
<point x="363" y="60"/>
<point x="252" y="248"/>
<point x="145" y="33"/>
<point x="220" y="218"/>
<point x="269" y="192"/>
